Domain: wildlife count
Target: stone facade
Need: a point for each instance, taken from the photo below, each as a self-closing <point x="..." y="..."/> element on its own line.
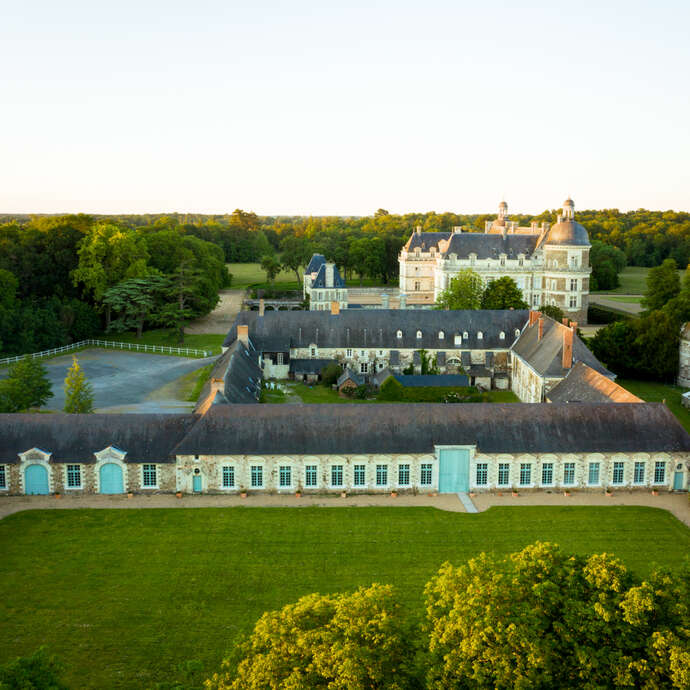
<point x="684" y="357"/>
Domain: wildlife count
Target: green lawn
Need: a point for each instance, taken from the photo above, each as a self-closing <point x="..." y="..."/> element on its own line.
<point x="125" y="597"/>
<point x="656" y="392"/>
<point x="633" y="281"/>
<point x="628" y="299"/>
<point x="164" y="336"/>
<point x="244" y="275"/>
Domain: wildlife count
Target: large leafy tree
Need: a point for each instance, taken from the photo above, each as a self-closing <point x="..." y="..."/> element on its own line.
<point x="606" y="262"/>
<point x="78" y="391"/>
<point x="271" y="266"/>
<point x="663" y="284"/>
<point x="543" y="618"/>
<point x="40" y="671"/>
<point x="295" y="252"/>
<point x="135" y="301"/>
<point x="26" y="386"/>
<point x="339" y="641"/>
<point x="503" y="293"/>
<point x="464" y="292"/>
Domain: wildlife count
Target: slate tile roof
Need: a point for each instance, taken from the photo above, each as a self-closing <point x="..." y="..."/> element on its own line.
<point x="348" y="374"/>
<point x="309" y="366"/>
<point x="320" y="280"/>
<point x="316" y="261"/>
<point x="490" y="246"/>
<point x="584" y="384"/>
<point x="425" y="240"/>
<point x="437" y="381"/>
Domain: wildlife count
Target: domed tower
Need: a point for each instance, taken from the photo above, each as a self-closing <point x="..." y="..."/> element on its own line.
<point x="566" y="265"/>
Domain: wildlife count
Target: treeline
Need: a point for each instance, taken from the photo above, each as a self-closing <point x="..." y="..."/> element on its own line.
<point x="65" y="278"/>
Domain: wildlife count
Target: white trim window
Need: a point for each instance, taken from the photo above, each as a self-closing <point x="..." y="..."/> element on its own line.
<point x="525" y="473"/>
<point x="639" y="472"/>
<point x="336" y="476"/>
<point x="547" y="474"/>
<point x="310" y="476"/>
<point x="568" y="473"/>
<point x="482" y="473"/>
<point x="228" y="480"/>
<point x="73" y="477"/>
<point x="257" y="476"/>
<point x="425" y="478"/>
<point x="3" y="477"/>
<point x="617" y="473"/>
<point x="363" y="367"/>
<point x="660" y="472"/>
<point x="149" y="477"/>
<point x="348" y="352"/>
<point x="381" y="475"/>
<point x="403" y="475"/>
<point x="503" y="474"/>
<point x="360" y="475"/>
<point x="593" y="474"/>
<point x="284" y="476"/>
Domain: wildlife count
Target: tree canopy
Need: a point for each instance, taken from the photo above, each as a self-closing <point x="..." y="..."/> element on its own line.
<point x="503" y="293"/>
<point x="26" y="386"/>
<point x="464" y="292"/>
<point x="78" y="391"/>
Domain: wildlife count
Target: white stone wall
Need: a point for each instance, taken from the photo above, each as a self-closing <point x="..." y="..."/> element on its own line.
<point x="684" y="360"/>
<point x="526" y="383"/>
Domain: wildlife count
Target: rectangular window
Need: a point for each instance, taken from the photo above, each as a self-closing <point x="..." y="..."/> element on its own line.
<point x="74" y="476"/>
<point x="573" y="302"/>
<point x="593" y="474"/>
<point x="348" y="352"/>
<point x="547" y="474"/>
<point x="573" y="285"/>
<point x="313" y="352"/>
<point x="360" y="475"/>
<point x="310" y="475"/>
<point x="381" y="475"/>
<point x="403" y="475"/>
<point x="336" y="475"/>
<point x="525" y="473"/>
<point x="228" y="477"/>
<point x="257" y="475"/>
<point x="659" y="472"/>
<point x="503" y="474"/>
<point x="617" y="473"/>
<point x="482" y="474"/>
<point x="280" y="357"/>
<point x="425" y="476"/>
<point x="638" y="477"/>
<point x="568" y="473"/>
<point x="285" y="476"/>
<point x="150" y="481"/>
<point x="3" y="477"/>
<point x="363" y="367"/>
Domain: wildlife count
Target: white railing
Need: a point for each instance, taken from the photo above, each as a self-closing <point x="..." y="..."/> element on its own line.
<point x="111" y="345"/>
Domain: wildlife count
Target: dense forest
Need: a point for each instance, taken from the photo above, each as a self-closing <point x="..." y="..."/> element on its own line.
<point x="64" y="278"/>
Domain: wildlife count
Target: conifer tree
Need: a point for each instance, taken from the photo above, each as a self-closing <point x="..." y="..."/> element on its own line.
<point x="78" y="391"/>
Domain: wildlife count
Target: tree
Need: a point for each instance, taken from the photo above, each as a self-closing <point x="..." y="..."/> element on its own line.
<point x="295" y="252"/>
<point x="614" y="345"/>
<point x="271" y="265"/>
<point x="27" y="385"/>
<point x="556" y="313"/>
<point x="40" y="671"/>
<point x="135" y="301"/>
<point x="330" y="374"/>
<point x="464" y="292"/>
<point x="182" y="288"/>
<point x="663" y="284"/>
<point x="656" y="346"/>
<point x="9" y="307"/>
<point x="78" y="391"/>
<point x="543" y="618"/>
<point x="606" y="262"/>
<point x="352" y="641"/>
<point x="503" y="293"/>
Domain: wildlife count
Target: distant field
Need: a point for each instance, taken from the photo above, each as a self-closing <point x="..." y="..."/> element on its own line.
<point x="656" y="392"/>
<point x="633" y="281"/>
<point x="244" y="275"/>
<point x="627" y="299"/>
<point x="128" y="598"/>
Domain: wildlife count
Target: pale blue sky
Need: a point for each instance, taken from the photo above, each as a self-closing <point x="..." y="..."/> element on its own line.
<point x="315" y="107"/>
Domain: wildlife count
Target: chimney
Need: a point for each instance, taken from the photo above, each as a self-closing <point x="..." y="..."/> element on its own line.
<point x="457" y="229"/>
<point x="385" y="301"/>
<point x="418" y="229"/>
<point x="329" y="275"/>
<point x="565" y="320"/>
<point x="335" y="308"/>
<point x="243" y="334"/>
<point x="567" y="348"/>
<point x="533" y="316"/>
<point x="261" y="307"/>
<point x="573" y="325"/>
<point x="541" y="327"/>
<point x="403" y="301"/>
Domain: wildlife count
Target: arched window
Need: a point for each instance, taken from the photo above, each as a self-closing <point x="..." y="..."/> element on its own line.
<point x="517" y="332"/>
<point x="480" y="335"/>
<point x="441" y="335"/>
<point x="399" y="334"/>
<point x="419" y="334"/>
<point x="502" y="335"/>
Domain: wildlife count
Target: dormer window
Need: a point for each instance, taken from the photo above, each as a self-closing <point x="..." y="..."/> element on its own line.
<point x="473" y="258"/>
<point x="503" y="261"/>
<point x="480" y="335"/>
<point x="441" y="335"/>
<point x="502" y="335"/>
<point x="419" y="334"/>
<point x="458" y="339"/>
<point x="465" y="335"/>
<point x="517" y="332"/>
<point x="399" y="334"/>
<point x="521" y="262"/>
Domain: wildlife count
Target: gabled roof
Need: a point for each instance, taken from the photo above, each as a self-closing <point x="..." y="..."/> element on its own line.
<point x="349" y="375"/>
<point x="316" y="261"/>
<point x="243" y="376"/>
<point x="584" y="384"/>
<point x="76" y="437"/>
<point x="490" y="245"/>
<point x="418" y="428"/>
<point x="377" y="328"/>
<point x="320" y="280"/>
<point x="545" y="356"/>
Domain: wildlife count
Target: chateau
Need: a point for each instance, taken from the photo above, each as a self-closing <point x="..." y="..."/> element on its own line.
<point x="550" y="264"/>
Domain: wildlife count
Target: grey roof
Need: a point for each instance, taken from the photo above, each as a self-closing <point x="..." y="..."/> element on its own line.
<point x="76" y="437"/>
<point x="584" y="384"/>
<point x="417" y="428"/>
<point x="271" y="343"/>
<point x="567" y="232"/>
<point x="490" y="245"/>
<point x="425" y="240"/>
<point x="377" y="328"/>
<point x="381" y="376"/>
<point x="546" y="355"/>
<point x="316" y="261"/>
<point x="431" y="380"/>
<point x="309" y="366"/>
<point x="243" y="376"/>
<point x="320" y="280"/>
<point x="348" y="374"/>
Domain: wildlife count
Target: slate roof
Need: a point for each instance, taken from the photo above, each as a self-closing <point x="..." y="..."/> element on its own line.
<point x="377" y="328"/>
<point x="545" y="356"/>
<point x="243" y="376"/>
<point x="309" y="366"/>
<point x="348" y="374"/>
<point x="584" y="384"/>
<point x="431" y="380"/>
<point x="567" y="233"/>
<point x="76" y="437"/>
<point x="316" y="261"/>
<point x="417" y="428"/>
<point x="425" y="240"/>
<point x="490" y="246"/>
<point x="320" y="280"/>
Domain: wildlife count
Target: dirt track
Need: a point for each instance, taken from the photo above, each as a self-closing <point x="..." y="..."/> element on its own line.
<point x="222" y="317"/>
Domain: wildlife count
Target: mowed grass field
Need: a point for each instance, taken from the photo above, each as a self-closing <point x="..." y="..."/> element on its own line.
<point x="127" y="598"/>
<point x="633" y="281"/>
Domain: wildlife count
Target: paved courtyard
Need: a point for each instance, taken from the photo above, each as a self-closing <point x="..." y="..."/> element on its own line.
<point x="127" y="381"/>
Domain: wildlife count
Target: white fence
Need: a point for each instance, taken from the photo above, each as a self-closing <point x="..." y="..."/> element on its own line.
<point x="111" y="345"/>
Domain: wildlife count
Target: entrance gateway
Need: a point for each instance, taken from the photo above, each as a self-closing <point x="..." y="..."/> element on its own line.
<point x="453" y="470"/>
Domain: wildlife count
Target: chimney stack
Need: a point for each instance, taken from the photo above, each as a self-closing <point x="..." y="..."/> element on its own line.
<point x="261" y="307"/>
<point x="243" y="334"/>
<point x="418" y="229"/>
<point x="533" y="316"/>
<point x="567" y="348"/>
<point x="217" y="385"/>
<point x="565" y="320"/>
<point x="335" y="308"/>
<point x="541" y="327"/>
<point x="573" y="325"/>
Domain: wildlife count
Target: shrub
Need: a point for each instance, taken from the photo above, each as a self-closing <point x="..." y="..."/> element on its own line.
<point x="330" y="374"/>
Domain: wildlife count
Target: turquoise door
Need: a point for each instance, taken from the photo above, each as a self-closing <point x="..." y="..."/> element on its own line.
<point x="111" y="479"/>
<point x="454" y="471"/>
<point x="36" y="480"/>
<point x="678" y="481"/>
<point x="197" y="483"/>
